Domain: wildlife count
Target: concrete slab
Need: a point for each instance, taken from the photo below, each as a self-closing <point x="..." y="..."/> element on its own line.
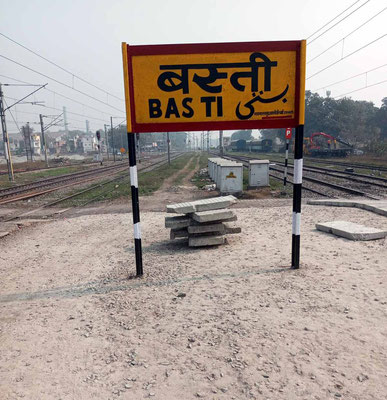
<point x="206" y="228"/>
<point x="180" y="208"/>
<point x="178" y="233"/>
<point x="351" y="230"/>
<point x="232" y="229"/>
<point x="375" y="206"/>
<point x="178" y="222"/>
<point x="214" y="203"/>
<point x="214" y="215"/>
<point x="201" y="241"/>
<point x="201" y="205"/>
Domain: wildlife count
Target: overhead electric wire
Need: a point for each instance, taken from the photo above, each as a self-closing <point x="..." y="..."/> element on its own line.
<point x="337" y="16"/>
<point x="349" y="34"/>
<point x="348" y="55"/>
<point x="321" y="34"/>
<point x="63" y="69"/>
<point x="357" y="90"/>
<point x="59" y="82"/>
<point x="347" y="79"/>
<point x="66" y="97"/>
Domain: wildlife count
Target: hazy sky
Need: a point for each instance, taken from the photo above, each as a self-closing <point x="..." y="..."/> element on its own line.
<point x="85" y="36"/>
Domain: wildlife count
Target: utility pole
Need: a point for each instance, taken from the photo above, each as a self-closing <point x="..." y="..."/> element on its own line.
<point x="29" y="141"/>
<point x="66" y="125"/>
<point x="107" y="142"/>
<point x="169" y="149"/>
<point x="221" y="143"/>
<point x="44" y="139"/>
<point x="208" y="141"/>
<point x="87" y="126"/>
<point x="111" y="127"/>
<point x="7" y="151"/>
<point x="138" y="147"/>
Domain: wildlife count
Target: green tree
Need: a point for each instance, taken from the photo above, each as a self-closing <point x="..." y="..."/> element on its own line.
<point x="243" y="134"/>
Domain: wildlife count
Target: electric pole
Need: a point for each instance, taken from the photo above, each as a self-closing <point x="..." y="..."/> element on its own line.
<point x="221" y="143"/>
<point x="7" y="151"/>
<point x="29" y="141"/>
<point x="107" y="142"/>
<point x="44" y="139"/>
<point x="66" y="125"/>
<point x="111" y="127"/>
<point x="208" y="141"/>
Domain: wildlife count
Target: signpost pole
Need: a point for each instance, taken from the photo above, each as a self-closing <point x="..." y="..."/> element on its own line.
<point x="297" y="188"/>
<point x="135" y="202"/>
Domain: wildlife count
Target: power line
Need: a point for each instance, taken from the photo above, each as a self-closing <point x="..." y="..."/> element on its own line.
<point x="351" y="77"/>
<point x="63" y="69"/>
<point x="349" y="34"/>
<point x="337" y="16"/>
<point x="365" y="87"/>
<point x="60" y="83"/>
<point x="348" y="55"/>
<point x="62" y="95"/>
<point x="321" y="34"/>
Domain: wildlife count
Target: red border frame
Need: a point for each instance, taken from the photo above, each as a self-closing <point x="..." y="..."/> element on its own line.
<point x="199" y="48"/>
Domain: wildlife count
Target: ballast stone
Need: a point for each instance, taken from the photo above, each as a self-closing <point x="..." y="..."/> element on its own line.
<point x="352" y="231"/>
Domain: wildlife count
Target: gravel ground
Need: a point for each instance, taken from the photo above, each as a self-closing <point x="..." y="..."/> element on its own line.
<point x="230" y="322"/>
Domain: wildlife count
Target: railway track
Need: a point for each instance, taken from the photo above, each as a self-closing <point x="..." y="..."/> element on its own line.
<point x="38" y="188"/>
<point x="28" y="190"/>
<point x="44" y="186"/>
<point x="349" y="164"/>
<point x="375" y="190"/>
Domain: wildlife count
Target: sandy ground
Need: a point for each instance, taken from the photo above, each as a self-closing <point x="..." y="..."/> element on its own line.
<point x="223" y="323"/>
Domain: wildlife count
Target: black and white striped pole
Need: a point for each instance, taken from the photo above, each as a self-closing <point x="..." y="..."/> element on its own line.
<point x="135" y="202"/>
<point x="297" y="187"/>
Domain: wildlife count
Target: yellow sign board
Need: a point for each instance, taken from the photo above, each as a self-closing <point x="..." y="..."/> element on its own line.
<point x="214" y="86"/>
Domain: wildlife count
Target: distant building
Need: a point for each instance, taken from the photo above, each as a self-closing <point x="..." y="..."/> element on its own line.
<point x="89" y="144"/>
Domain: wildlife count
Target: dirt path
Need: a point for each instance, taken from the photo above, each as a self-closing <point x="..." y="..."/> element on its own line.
<point x="169" y="181"/>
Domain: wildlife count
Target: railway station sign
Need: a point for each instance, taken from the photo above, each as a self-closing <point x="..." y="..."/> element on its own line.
<point x="218" y="86"/>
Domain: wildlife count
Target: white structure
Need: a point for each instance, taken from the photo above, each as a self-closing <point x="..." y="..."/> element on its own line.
<point x="35" y="144"/>
<point x="227" y="175"/>
<point x="258" y="173"/>
<point x="89" y="144"/>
